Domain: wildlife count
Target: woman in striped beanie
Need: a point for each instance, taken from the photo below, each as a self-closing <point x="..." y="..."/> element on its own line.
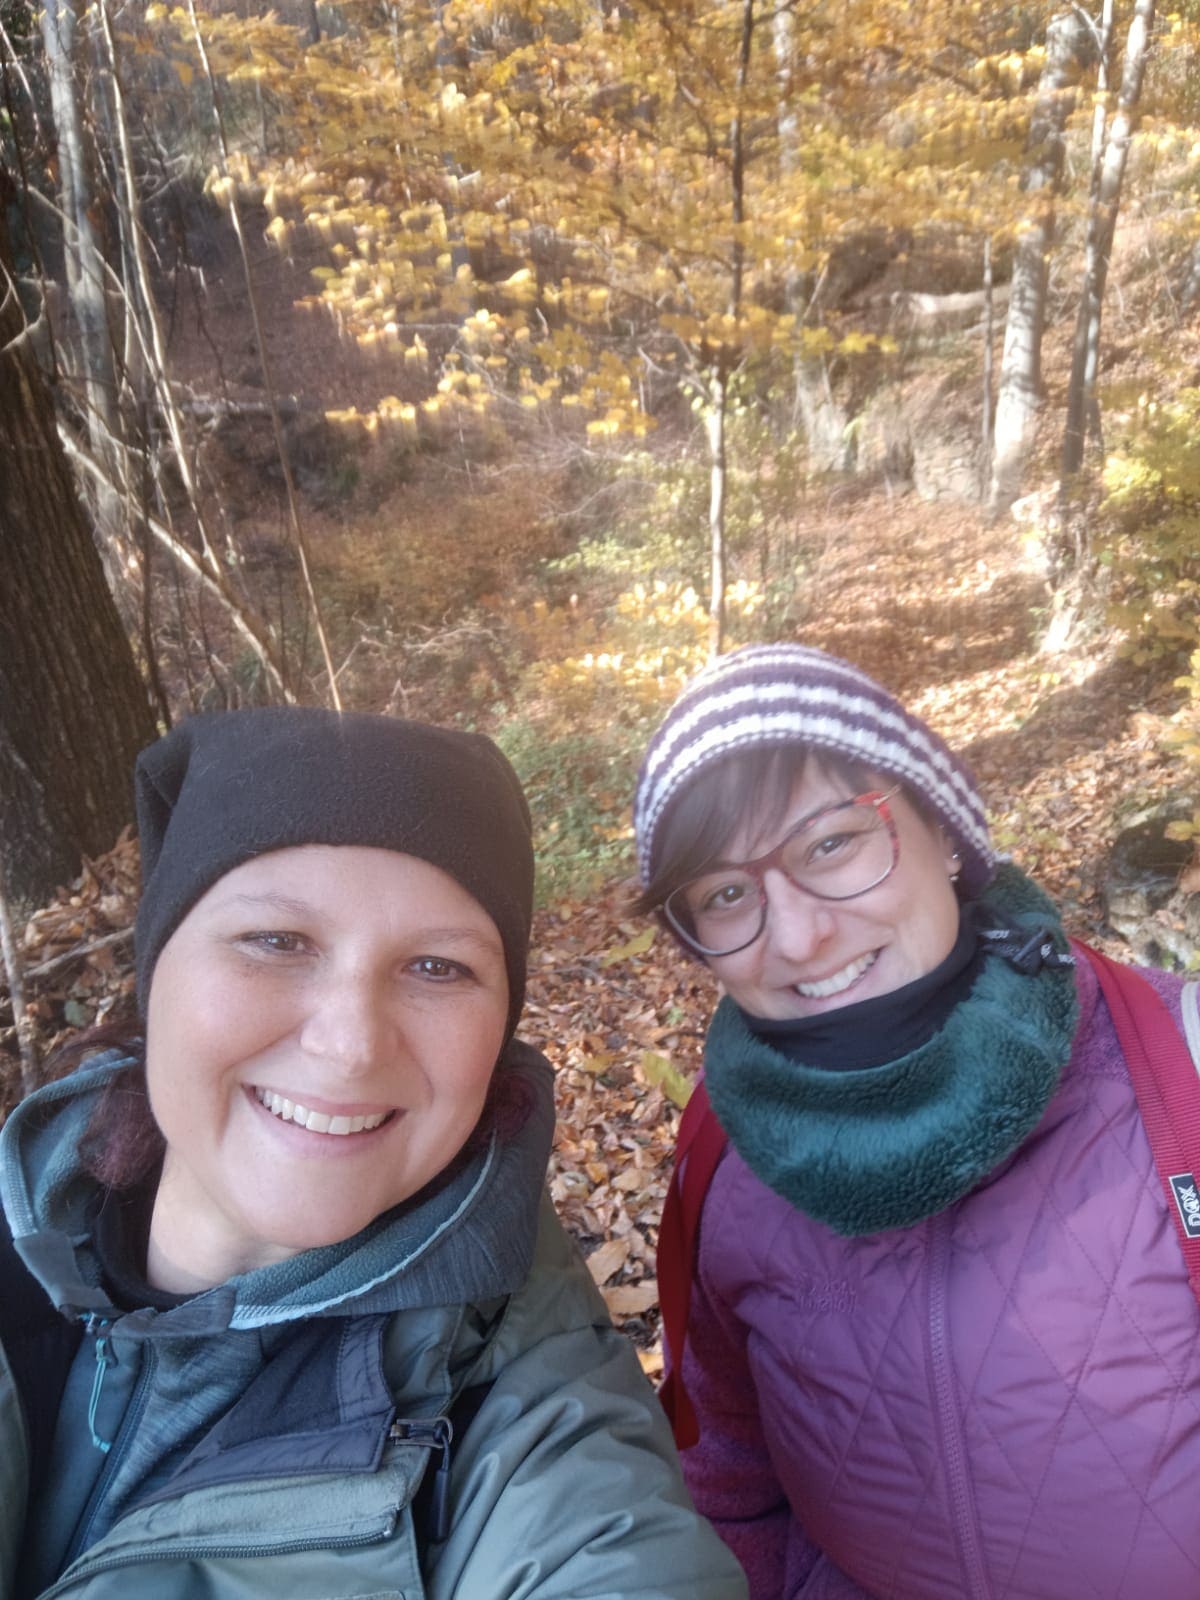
<point x="928" y="1327"/>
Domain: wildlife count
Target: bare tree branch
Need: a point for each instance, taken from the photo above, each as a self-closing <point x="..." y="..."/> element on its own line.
<point x="46" y="969"/>
<point x="246" y="622"/>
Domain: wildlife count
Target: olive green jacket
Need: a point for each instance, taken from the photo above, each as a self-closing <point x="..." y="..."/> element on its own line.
<point x="270" y="1437"/>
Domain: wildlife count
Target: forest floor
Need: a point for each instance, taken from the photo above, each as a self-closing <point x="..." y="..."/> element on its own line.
<point x="942" y="609"/>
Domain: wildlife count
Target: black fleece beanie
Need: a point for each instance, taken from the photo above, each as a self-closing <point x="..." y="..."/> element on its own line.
<point x="224" y="787"/>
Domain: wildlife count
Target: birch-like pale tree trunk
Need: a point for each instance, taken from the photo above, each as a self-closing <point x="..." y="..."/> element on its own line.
<point x="823" y="420"/>
<point x="87" y="273"/>
<point x="1083" y="409"/>
<point x="83" y="257"/>
<point x="714" y="428"/>
<point x="989" y="324"/>
<point x="1067" y="42"/>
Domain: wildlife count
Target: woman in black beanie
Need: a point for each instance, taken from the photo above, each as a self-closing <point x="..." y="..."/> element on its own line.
<point x="285" y="1309"/>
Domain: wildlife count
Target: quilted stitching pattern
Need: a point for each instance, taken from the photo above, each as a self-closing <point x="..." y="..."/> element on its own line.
<point x="1073" y="1370"/>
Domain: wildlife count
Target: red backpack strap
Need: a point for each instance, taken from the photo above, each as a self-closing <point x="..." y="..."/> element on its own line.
<point x="698" y="1148"/>
<point x="1164" y="1077"/>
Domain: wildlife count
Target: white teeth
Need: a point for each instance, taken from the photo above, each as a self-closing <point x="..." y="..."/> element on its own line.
<point x="316" y="1121"/>
<point x="839" y="981"/>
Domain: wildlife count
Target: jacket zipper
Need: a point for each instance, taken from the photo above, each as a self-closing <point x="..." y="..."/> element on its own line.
<point x="105" y="1358"/>
<point x="962" y="1499"/>
<point x="95" y="1325"/>
<point x="435" y="1434"/>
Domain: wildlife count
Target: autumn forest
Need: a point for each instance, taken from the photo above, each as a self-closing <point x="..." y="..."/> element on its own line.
<point x="499" y="363"/>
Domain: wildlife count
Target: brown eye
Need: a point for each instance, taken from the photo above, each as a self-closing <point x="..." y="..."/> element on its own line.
<point x="438" y="970"/>
<point x="822" y="849"/>
<point x="275" y="941"/>
<point x="727" y="897"/>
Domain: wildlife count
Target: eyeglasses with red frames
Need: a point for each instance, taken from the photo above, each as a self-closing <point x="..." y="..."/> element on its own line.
<point x="837" y="853"/>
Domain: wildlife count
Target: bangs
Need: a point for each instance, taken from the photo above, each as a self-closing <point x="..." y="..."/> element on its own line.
<point x="752" y="787"/>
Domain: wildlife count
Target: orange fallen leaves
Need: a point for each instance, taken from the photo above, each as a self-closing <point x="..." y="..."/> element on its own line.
<point x="616" y="1007"/>
<point x="608" y="1259"/>
<point x="631" y="1300"/>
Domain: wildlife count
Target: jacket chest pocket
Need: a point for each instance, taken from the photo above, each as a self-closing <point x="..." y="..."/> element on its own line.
<point x="344" y="1537"/>
<point x="248" y="1580"/>
<point x="313" y="1574"/>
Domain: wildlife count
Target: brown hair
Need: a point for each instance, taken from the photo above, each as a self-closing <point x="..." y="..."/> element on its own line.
<point x="121" y="1145"/>
<point x="759" y="782"/>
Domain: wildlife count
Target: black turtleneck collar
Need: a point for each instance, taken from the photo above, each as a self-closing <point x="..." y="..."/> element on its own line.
<point x="886" y="1027"/>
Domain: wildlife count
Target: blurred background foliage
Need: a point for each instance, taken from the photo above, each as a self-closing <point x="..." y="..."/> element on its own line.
<point x="498" y="362"/>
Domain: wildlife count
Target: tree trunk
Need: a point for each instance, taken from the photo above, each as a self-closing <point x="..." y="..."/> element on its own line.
<point x="73" y="709"/>
<point x="716" y="387"/>
<point x="989" y="324"/>
<point x="823" y="420"/>
<point x="1082" y="405"/>
<point x="714" y="428"/>
<point x="460" y="255"/>
<point x="1189" y="287"/>
<point x="1067" y="40"/>
<point x="86" y="279"/>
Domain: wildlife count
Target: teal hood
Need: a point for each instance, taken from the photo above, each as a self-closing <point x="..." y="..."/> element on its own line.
<point x="470" y="1239"/>
<point x="458" y="1344"/>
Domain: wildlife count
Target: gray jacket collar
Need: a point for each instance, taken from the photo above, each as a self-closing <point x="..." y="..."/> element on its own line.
<point x="471" y="1240"/>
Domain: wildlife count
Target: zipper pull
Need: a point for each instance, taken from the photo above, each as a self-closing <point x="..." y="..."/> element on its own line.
<point x="436" y="1434"/>
<point x="104" y="1359"/>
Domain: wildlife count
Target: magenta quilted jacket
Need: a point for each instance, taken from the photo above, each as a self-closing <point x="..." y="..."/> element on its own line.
<point x="1001" y="1403"/>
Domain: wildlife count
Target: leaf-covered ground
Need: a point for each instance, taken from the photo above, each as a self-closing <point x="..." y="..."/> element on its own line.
<point x="944" y="611"/>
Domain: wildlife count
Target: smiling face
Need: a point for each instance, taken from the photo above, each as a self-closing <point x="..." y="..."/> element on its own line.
<point x="321" y="1032"/>
<point x="816" y="955"/>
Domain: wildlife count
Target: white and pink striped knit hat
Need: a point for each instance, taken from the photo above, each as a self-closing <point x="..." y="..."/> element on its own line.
<point x="778" y="694"/>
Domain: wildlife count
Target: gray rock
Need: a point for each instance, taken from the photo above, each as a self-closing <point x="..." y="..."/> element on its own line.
<point x="1142" y="898"/>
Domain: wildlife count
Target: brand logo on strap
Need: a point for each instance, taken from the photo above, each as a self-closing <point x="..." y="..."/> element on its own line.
<point x="1187" y="1198"/>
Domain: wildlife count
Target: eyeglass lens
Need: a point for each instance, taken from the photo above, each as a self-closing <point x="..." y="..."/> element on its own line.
<point x="841" y="852"/>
